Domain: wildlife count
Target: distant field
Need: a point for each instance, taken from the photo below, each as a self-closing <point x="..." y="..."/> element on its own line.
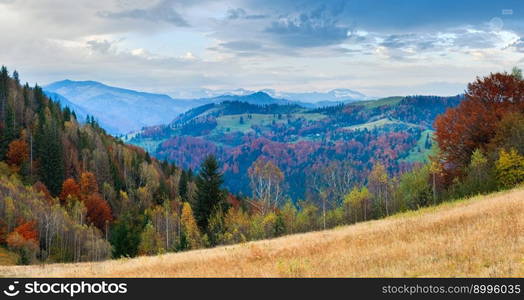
<point x="420" y="156"/>
<point x="232" y="122"/>
<point x="377" y="124"/>
<point x="379" y="102"/>
<point x="478" y="237"/>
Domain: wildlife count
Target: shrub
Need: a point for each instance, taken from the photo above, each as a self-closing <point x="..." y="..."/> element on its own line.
<point x="510" y="168"/>
<point x="26" y="248"/>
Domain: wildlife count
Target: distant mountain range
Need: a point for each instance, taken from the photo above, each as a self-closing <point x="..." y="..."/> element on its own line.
<point x="199" y="93"/>
<point x="117" y="110"/>
<point x="121" y="111"/>
<point x="336" y="95"/>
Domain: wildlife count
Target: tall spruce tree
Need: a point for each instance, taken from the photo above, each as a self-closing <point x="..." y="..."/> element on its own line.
<point x="125" y="234"/>
<point x="4" y="132"/>
<point x="4" y="89"/>
<point x="50" y="154"/>
<point x="182" y="185"/>
<point x="16" y="77"/>
<point x="209" y="195"/>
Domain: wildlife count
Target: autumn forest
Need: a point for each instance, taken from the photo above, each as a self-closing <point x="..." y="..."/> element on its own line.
<point x="71" y="192"/>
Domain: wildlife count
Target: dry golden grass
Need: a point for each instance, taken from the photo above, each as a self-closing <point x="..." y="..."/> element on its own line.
<point x="479" y="237"/>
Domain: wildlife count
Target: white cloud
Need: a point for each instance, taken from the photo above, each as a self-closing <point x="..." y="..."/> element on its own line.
<point x="238" y="44"/>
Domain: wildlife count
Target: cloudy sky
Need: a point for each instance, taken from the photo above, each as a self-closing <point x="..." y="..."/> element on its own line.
<point x="380" y="47"/>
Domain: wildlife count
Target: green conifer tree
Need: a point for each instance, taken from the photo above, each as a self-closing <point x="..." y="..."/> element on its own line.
<point x="209" y="195"/>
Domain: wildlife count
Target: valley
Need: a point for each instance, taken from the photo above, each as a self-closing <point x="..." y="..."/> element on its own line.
<point x="396" y="130"/>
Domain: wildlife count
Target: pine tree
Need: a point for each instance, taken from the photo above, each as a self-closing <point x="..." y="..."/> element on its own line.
<point x="16" y="77"/>
<point x="5" y="134"/>
<point x="50" y="154"/>
<point x="182" y="185"/>
<point x="125" y="235"/>
<point x="428" y="143"/>
<point x="4" y="79"/>
<point x="11" y="131"/>
<point x="67" y="114"/>
<point x="209" y="195"/>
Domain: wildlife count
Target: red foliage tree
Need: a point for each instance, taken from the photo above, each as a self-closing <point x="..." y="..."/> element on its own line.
<point x="98" y="211"/>
<point x="17" y="153"/>
<point x="28" y="231"/>
<point x="69" y="189"/>
<point x="473" y="123"/>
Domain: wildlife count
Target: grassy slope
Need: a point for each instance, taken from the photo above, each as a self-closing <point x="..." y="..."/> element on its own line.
<point x="422" y="156"/>
<point x="377" y="124"/>
<point x="379" y="102"/>
<point x="232" y="122"/>
<point x="481" y="236"/>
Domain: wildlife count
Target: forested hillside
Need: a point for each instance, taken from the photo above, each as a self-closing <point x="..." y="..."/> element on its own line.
<point x="117" y="110"/>
<point x="344" y="139"/>
<point x="65" y="188"/>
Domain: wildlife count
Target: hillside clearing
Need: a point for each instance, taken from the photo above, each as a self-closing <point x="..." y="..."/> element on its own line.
<point x="479" y="237"/>
<point x="377" y="124"/>
<point x="419" y="153"/>
<point x="232" y="122"/>
<point x="379" y="102"/>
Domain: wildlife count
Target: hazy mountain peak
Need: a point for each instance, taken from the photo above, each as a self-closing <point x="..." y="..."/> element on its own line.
<point x="118" y="110"/>
<point x="69" y="82"/>
<point x="260" y="94"/>
<point x="122" y="110"/>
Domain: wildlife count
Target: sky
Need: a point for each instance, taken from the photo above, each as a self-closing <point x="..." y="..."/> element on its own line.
<point x="377" y="47"/>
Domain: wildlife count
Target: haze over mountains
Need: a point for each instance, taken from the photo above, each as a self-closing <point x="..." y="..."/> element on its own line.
<point x="121" y="111"/>
<point x="117" y="110"/>
<point x="336" y="95"/>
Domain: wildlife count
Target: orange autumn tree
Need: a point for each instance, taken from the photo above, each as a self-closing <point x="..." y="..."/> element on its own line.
<point x="28" y="231"/>
<point x="69" y="189"/>
<point x="473" y="123"/>
<point x="24" y="240"/>
<point x="88" y="184"/>
<point x="17" y="153"/>
<point x="98" y="210"/>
